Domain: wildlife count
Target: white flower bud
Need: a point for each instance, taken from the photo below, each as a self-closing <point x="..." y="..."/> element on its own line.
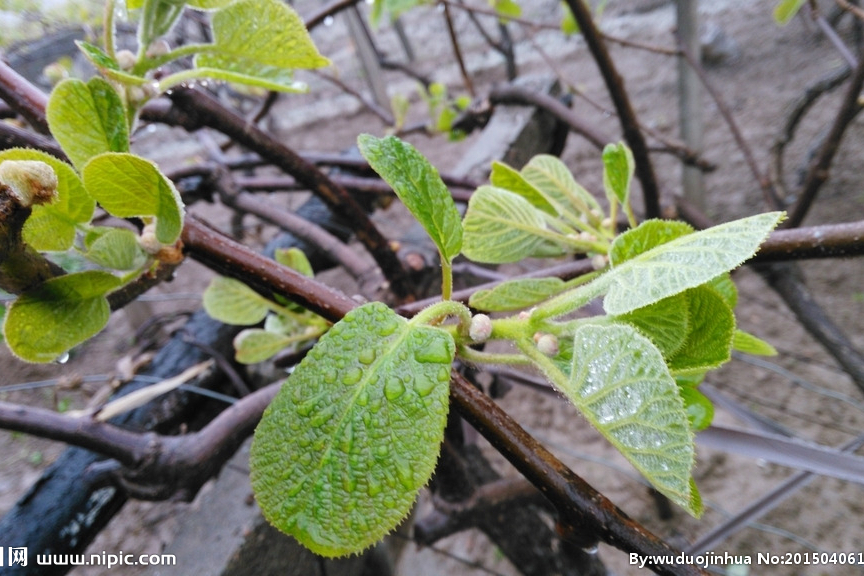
<point x="599" y="261"/>
<point x="158" y="48"/>
<point x="32" y="182"/>
<point x="480" y="329"/>
<point x="148" y="240"/>
<point x="126" y="59"/>
<point x="548" y="344"/>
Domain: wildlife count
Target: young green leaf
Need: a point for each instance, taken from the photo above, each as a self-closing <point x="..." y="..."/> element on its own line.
<point x="785" y="10"/>
<point x="130" y="186"/>
<point x="354" y="433"/>
<point x="647" y="235"/>
<point x="255" y="345"/>
<point x="208" y="4"/>
<point x="51" y="227"/>
<point x="666" y="323"/>
<point x="295" y="259"/>
<point x="515" y="294"/>
<point x="508" y="178"/>
<point x="554" y="180"/>
<point x="507" y="9"/>
<point x="48" y="320"/>
<point x="620" y="383"/>
<point x="259" y="42"/>
<point x="116" y="248"/>
<point x="724" y="286"/>
<point x="618" y="168"/>
<point x="685" y="262"/>
<point x="712" y="324"/>
<point x="700" y="409"/>
<point x="87" y="119"/>
<point x="750" y="344"/>
<point x="232" y="302"/>
<point x="420" y="188"/>
<point x="393" y="7"/>
<point x="501" y="226"/>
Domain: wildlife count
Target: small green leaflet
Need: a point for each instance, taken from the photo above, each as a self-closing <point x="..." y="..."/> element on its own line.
<point x="515" y="294"/>
<point x="685" y="262"/>
<point x="554" y="180"/>
<point x="130" y="186"/>
<point x="666" y="323"/>
<point x="507" y="9"/>
<point x="647" y="235"/>
<point x="618" y="167"/>
<point x="507" y="178"/>
<point x="115" y="248"/>
<point x="501" y="226"/>
<point x="785" y="10"/>
<point x="709" y="341"/>
<point x="51" y="227"/>
<point x="420" y="188"/>
<point x="750" y="344"/>
<point x="87" y="119"/>
<point x="393" y="7"/>
<point x="700" y="410"/>
<point x="232" y="302"/>
<point x="620" y="383"/>
<point x="256" y="345"/>
<point x="259" y="42"/>
<point x="354" y="433"/>
<point x="295" y="259"/>
<point x="48" y="320"/>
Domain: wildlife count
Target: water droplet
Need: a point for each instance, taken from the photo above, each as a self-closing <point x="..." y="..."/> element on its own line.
<point x="443" y="374"/>
<point x="363" y="399"/>
<point x="393" y="389"/>
<point x="349" y="483"/>
<point x="294" y="490"/>
<point x="424" y="386"/>
<point x="323" y="415"/>
<point x="305" y="458"/>
<point x="62" y="359"/>
<point x="366" y="356"/>
<point x="373" y="486"/>
<point x="592" y="550"/>
<point x="435" y="352"/>
<point x="405" y="473"/>
<point x="328" y="21"/>
<point x="306" y="408"/>
<point x="389" y="502"/>
<point x="329" y="376"/>
<point x="352" y="376"/>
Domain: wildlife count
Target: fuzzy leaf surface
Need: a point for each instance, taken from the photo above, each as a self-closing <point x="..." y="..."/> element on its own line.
<point x="621" y="384"/>
<point x="128" y="186"/>
<point x="515" y="294"/>
<point x="419" y="187"/>
<point x="116" y="248"/>
<point x="555" y="181"/>
<point x="354" y="433"/>
<point x="232" y="302"/>
<point x="750" y="344"/>
<point x="709" y="341"/>
<point x="647" y="235"/>
<point x="618" y="168"/>
<point x="48" y="320"/>
<point x="51" y="227"/>
<point x="685" y="262"/>
<point x="87" y="119"/>
<point x="508" y="178"/>
<point x="501" y="226"/>
<point x="785" y="10"/>
<point x="666" y="323"/>
<point x="259" y="42"/>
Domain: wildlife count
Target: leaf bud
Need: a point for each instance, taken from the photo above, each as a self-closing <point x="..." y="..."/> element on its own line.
<point x="125" y="59"/>
<point x="599" y="261"/>
<point x="148" y="240"/>
<point x="547" y="344"/>
<point x="480" y="329"/>
<point x="31" y="182"/>
<point x="158" y="48"/>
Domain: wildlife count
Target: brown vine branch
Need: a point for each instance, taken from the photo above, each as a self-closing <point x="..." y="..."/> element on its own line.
<point x="626" y="115"/>
<point x="24" y="97"/>
<point x="457" y="51"/>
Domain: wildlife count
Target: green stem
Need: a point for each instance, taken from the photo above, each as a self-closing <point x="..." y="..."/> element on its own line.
<point x="146" y="64"/>
<point x="108" y="32"/>
<point x="569" y="301"/>
<point x="446" y="279"/>
<point x="472" y="356"/>
<point x="436" y="312"/>
<point x="631" y="217"/>
<point x="543" y="363"/>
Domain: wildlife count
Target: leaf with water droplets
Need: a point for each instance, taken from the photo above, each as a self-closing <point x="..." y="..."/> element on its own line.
<point x="354" y="433"/>
<point x="619" y="381"/>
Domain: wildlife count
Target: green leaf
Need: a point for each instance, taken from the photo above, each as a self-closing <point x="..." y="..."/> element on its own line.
<point x="97" y="56"/>
<point x="208" y="4"/>
<point x="516" y="294"/>
<point x="569" y="26"/>
<point x="503" y="176"/>
<point x="709" y="342"/>
<point x="393" y="7"/>
<point x="700" y="410"/>
<point x="620" y="383"/>
<point x="420" y="188"/>
<point x="501" y="226"/>
<point x="647" y="235"/>
<point x="259" y="42"/>
<point x="157" y="19"/>
<point x="724" y="286"/>
<point x="507" y="9"/>
<point x="666" y="323"/>
<point x="785" y="10"/>
<point x="48" y="320"/>
<point x="87" y="119"/>
<point x="555" y="181"/>
<point x="232" y="302"/>
<point x="116" y="248"/>
<point x="750" y="344"/>
<point x="618" y="168"/>
<point x="354" y="433"/>
<point x="130" y="186"/>
<point x="255" y="345"/>
<point x="295" y="259"/>
<point x="685" y="262"/>
<point x="51" y="227"/>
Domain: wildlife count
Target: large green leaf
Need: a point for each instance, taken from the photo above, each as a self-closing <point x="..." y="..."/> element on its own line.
<point x="501" y="226"/>
<point x="51" y="227"/>
<point x="354" y="433"/>
<point x="515" y="294"/>
<point x="685" y="262"/>
<point x="420" y="188"/>
<point x="48" y="320"/>
<point x="619" y="381"/>
<point x="508" y="178"/>
<point x="259" y="42"/>
<point x="232" y="302"/>
<point x="130" y="186"/>
<point x="87" y="119"/>
<point x="555" y="181"/>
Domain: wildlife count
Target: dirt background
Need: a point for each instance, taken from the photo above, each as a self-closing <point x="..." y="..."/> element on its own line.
<point x="770" y="68"/>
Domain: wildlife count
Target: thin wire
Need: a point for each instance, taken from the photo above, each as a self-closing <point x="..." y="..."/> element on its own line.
<point x="441" y="551"/>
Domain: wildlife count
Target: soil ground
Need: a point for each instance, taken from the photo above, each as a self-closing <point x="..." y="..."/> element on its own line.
<point x="772" y="68"/>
